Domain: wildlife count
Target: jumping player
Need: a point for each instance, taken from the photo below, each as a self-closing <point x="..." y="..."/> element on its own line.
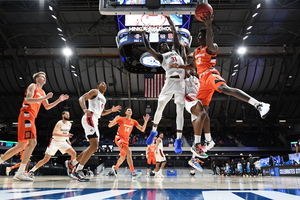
<point x="89" y="122"/>
<point x="126" y="125"/>
<point x="204" y="60"/>
<point x="59" y="141"/>
<point x="34" y="97"/>
<point x="174" y="84"/>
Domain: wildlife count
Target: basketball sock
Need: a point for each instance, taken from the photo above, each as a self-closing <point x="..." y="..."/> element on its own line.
<point x="179" y="135"/>
<point x="1" y="161"/>
<point x="154" y="128"/>
<point x="22" y="167"/>
<point x="117" y="167"/>
<point x="197" y="139"/>
<point x="74" y="162"/>
<point x="208" y="137"/>
<point x="79" y="167"/>
<point x="253" y="101"/>
<point x="33" y="169"/>
<point x="131" y="168"/>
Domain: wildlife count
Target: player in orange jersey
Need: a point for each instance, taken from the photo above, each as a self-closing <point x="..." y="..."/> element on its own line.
<point x="34" y="97"/>
<point x="126" y="125"/>
<point x="204" y="60"/>
<point x="150" y="155"/>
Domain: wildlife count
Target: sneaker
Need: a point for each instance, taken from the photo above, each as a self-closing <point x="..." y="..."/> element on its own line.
<point x="114" y="170"/>
<point x="193" y="162"/>
<point x="177" y="145"/>
<point x="263" y="109"/>
<point x="136" y="174"/>
<point x="31" y="174"/>
<point x="198" y="150"/>
<point x="22" y="176"/>
<point x="210" y="145"/>
<point x="7" y="171"/>
<point x="150" y="139"/>
<point x="80" y="176"/>
<point x="160" y="174"/>
<point x="69" y="166"/>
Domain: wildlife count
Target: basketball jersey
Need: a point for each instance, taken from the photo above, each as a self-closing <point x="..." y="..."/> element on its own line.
<point x="125" y="127"/>
<point x="192" y="86"/>
<point x="97" y="104"/>
<point x="169" y="58"/>
<point x="160" y="146"/>
<point x="204" y="61"/>
<point x="65" y="128"/>
<point x="152" y="149"/>
<point x="33" y="108"/>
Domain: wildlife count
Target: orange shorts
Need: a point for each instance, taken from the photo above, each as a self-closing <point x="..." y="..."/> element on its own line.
<point x="151" y="160"/>
<point x="209" y="82"/>
<point x="122" y="144"/>
<point x="26" y="127"/>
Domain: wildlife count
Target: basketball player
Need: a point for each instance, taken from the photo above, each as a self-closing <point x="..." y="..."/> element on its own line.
<point x="195" y="108"/>
<point x="89" y="121"/>
<point x="297" y="147"/>
<point x="174" y="84"/>
<point x="160" y="156"/>
<point x="150" y="155"/>
<point x="59" y="141"/>
<point x="126" y="125"/>
<point x="34" y="97"/>
<point x="204" y="60"/>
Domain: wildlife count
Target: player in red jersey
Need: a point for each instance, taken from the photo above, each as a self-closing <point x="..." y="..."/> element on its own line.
<point x="204" y="60"/>
<point x="34" y="97"/>
<point x="126" y="125"/>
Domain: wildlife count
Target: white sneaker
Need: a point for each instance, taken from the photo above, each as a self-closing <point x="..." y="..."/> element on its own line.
<point x="263" y="109"/>
<point x="161" y="175"/>
<point x="7" y="171"/>
<point x="210" y="145"/>
<point x="22" y="176"/>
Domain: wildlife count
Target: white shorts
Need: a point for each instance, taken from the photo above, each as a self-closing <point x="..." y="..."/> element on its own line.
<point x="90" y="126"/>
<point x="55" y="145"/>
<point x="160" y="156"/>
<point x="172" y="87"/>
<point x="190" y="100"/>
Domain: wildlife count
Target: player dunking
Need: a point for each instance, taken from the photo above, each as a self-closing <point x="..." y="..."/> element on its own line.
<point x="126" y="125"/>
<point x="34" y="97"/>
<point x="174" y="84"/>
<point x="59" y="141"/>
<point x="204" y="60"/>
<point x="89" y="121"/>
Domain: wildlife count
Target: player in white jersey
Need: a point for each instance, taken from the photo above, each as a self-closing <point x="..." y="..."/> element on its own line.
<point x="89" y="122"/>
<point x="160" y="156"/>
<point x="174" y="85"/>
<point x="59" y="141"/>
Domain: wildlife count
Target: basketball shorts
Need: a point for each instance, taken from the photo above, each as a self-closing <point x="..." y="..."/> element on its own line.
<point x="209" y="83"/>
<point x="55" y="145"/>
<point x="172" y="87"/>
<point x="190" y="100"/>
<point x="90" y="126"/>
<point x="160" y="156"/>
<point x="122" y="144"/>
<point x="151" y="160"/>
<point x="26" y="127"/>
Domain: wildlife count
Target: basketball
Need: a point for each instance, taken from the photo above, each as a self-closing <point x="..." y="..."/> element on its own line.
<point x="202" y="9"/>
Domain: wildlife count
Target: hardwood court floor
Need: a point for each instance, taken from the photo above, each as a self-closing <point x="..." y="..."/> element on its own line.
<point x="202" y="186"/>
